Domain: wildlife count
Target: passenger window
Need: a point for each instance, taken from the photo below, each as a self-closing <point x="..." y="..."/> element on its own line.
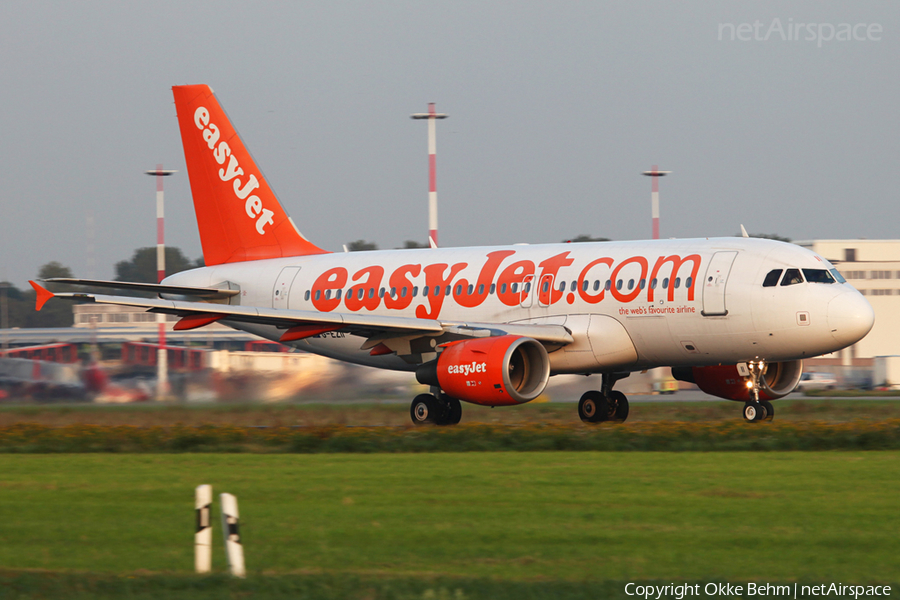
<point x="818" y="276"/>
<point x="688" y="281"/>
<point x="502" y="288"/>
<point x="339" y="294"/>
<point x="447" y="291"/>
<point x="791" y="277"/>
<point x="425" y="291"/>
<point x="677" y="282"/>
<point x="527" y="288"/>
<point x="771" y="279"/>
<point x="403" y="292"/>
<point x="318" y="294"/>
<point x="371" y="292"/>
<point x="608" y="284"/>
<point x="574" y="286"/>
<point x="643" y="283"/>
<point x="630" y="284"/>
<point x="306" y="295"/>
<point x="666" y="283"/>
<point x="481" y="289"/>
<point x="471" y="289"/>
<point x="415" y="291"/>
<point x="619" y="284"/>
<point x="493" y="287"/>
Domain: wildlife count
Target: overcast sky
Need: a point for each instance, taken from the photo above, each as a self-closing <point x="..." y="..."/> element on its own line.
<point x="555" y="109"/>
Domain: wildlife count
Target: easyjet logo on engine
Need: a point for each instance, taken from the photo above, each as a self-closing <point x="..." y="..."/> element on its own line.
<point x="510" y="281"/>
<point x="221" y="151"/>
<point x="474" y="367"/>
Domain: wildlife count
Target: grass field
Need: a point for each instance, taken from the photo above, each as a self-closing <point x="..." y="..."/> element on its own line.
<point x="397" y="414"/>
<point x="515" y="517"/>
<point x="443" y="525"/>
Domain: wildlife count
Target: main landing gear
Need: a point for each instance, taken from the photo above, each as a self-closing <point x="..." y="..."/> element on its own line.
<point x="757" y="410"/>
<point x="431" y="409"/>
<point x="606" y="404"/>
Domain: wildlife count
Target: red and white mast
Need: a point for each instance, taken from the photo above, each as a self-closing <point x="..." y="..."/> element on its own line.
<point x="162" y="366"/>
<point x="655" y="173"/>
<point x="431" y="115"/>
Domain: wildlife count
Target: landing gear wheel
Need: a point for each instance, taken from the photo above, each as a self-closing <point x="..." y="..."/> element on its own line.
<point x="770" y="410"/>
<point x="425" y="410"/>
<point x="754" y="412"/>
<point x="618" y="406"/>
<point x="454" y="411"/>
<point x="593" y="407"/>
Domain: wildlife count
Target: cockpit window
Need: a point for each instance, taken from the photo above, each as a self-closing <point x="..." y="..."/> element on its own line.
<point x="792" y="276"/>
<point x="772" y="278"/>
<point x="838" y="276"/>
<point x="818" y="276"/>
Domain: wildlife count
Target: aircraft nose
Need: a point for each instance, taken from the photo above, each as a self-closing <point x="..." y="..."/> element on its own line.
<point x="850" y="317"/>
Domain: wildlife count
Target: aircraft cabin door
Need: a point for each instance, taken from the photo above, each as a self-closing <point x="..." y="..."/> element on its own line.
<point x="283" y="287"/>
<point x="714" y="284"/>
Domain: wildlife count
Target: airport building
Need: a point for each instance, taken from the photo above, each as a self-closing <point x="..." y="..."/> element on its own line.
<point x="872" y="267"/>
<point x="111" y="315"/>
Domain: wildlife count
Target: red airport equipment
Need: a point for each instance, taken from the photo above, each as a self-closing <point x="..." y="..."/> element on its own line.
<point x="58" y="353"/>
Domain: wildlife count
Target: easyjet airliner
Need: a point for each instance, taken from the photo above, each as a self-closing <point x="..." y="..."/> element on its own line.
<point x="490" y="325"/>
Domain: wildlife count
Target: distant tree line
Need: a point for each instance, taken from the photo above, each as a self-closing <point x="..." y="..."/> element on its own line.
<point x="141" y="268"/>
<point x="769" y="236"/>
<point x="362" y="245"/>
<point x="586" y="238"/>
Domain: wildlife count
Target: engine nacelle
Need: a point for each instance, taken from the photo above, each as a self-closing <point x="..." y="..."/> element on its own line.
<point x="494" y="371"/>
<point x="724" y="381"/>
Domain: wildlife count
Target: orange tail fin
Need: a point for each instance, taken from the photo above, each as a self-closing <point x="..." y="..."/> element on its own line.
<point x="238" y="214"/>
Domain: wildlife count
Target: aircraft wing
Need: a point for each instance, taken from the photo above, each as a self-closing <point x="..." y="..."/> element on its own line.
<point x="300" y="324"/>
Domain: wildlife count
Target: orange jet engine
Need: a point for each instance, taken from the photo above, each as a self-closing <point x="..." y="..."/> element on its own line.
<point x="493" y="371"/>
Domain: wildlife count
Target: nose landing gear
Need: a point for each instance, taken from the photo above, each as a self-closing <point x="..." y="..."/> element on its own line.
<point x="756" y="410"/>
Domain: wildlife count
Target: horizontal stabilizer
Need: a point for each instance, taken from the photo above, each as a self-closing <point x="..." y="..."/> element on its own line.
<point x="153" y="288"/>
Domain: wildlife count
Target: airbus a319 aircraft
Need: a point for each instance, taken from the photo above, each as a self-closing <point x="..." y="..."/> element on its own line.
<point x="490" y="325"/>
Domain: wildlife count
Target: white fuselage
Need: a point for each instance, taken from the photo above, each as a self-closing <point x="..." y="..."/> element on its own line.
<point x="628" y="305"/>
